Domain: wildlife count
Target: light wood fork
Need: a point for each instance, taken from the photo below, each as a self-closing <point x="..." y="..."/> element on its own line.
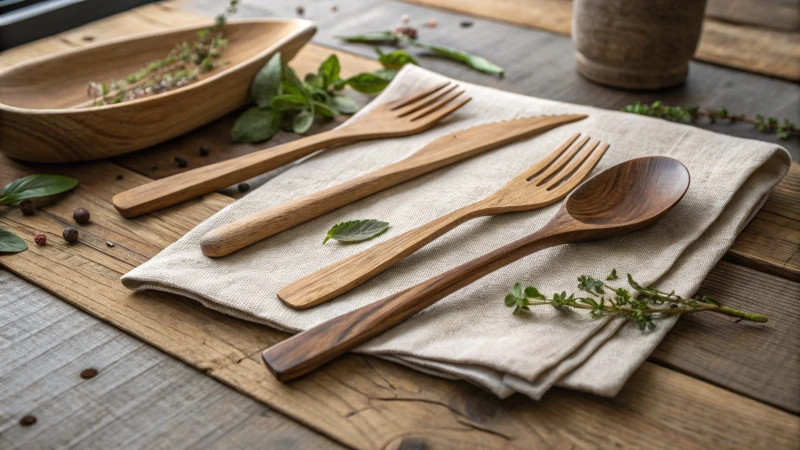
<point x="544" y="183"/>
<point x="402" y="117"/>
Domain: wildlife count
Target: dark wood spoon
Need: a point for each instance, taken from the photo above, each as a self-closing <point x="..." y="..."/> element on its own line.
<point x="619" y="200"/>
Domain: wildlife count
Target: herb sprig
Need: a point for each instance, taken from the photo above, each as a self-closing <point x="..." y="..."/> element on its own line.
<point x="783" y="129"/>
<point x="356" y="231"/>
<point x="604" y="301"/>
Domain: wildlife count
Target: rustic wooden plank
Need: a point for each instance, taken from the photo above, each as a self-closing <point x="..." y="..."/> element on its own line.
<point x="358" y="401"/>
<point x="141" y="397"/>
<point x="783" y="14"/>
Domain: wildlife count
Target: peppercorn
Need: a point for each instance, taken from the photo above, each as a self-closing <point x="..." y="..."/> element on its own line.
<point x="243" y="187"/>
<point x="81" y="216"/>
<point x="27" y="421"/>
<point x="70" y="234"/>
<point x="27" y="207"/>
<point x="182" y="162"/>
<point x="334" y="8"/>
<point x="119" y="177"/>
<point x="40" y="238"/>
<point x="300" y="10"/>
<point x="89" y="373"/>
<point x="466" y="23"/>
<point x="431" y="23"/>
<point x="405" y="18"/>
<point x="407" y="31"/>
<point x="203" y="150"/>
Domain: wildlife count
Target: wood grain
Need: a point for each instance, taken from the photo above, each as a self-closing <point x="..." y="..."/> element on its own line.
<point x="767" y="51"/>
<point x="38" y="122"/>
<point x="781" y="14"/>
<point x="569" y="163"/>
<point x="441" y="152"/>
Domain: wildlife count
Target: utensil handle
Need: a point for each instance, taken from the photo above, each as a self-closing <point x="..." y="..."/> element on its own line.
<point x="194" y="183"/>
<point x="237" y="235"/>
<point x="304" y="352"/>
<point x="345" y="275"/>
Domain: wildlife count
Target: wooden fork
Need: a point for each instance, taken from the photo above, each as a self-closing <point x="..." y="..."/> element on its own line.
<point x="546" y="182"/>
<point x="405" y="116"/>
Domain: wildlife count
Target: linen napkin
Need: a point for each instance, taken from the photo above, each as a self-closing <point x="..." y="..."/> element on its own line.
<point x="471" y="334"/>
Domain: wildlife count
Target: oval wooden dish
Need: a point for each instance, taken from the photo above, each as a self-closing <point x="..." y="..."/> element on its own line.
<point x="40" y="120"/>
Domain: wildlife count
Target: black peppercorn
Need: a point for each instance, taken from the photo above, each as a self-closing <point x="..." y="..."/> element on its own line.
<point x="81" y="216"/>
<point x="466" y="24"/>
<point x="300" y="10"/>
<point x="182" y="162"/>
<point x="70" y="234"/>
<point x="27" y="421"/>
<point x="89" y="373"/>
<point x="243" y="187"/>
<point x="119" y="177"/>
<point x="203" y="150"/>
<point x="27" y="207"/>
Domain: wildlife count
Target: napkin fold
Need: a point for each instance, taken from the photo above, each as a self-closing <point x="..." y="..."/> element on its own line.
<point x="471" y="334"/>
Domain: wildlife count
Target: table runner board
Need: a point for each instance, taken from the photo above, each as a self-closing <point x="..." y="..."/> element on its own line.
<point x="384" y="400"/>
<point x="769" y="51"/>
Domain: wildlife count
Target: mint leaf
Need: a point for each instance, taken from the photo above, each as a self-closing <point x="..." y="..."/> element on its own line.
<point x="396" y="59"/>
<point x="289" y="102"/>
<point x="476" y="62"/>
<point x="34" y="186"/>
<point x="267" y="82"/>
<point x="367" y="83"/>
<point x="302" y="122"/>
<point x="256" y="125"/>
<point x="344" y="104"/>
<point x="356" y="230"/>
<point x="375" y="37"/>
<point x="329" y="70"/>
<point x="10" y="242"/>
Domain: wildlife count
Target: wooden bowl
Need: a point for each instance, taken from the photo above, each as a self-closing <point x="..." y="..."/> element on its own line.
<point x="38" y="123"/>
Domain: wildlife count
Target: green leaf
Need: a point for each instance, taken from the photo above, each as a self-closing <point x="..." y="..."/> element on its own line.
<point x="510" y="300"/>
<point x="344" y="104"/>
<point x="10" y="242"/>
<point x="367" y="83"/>
<point x="329" y="70"/>
<point x="314" y="81"/>
<point x="612" y="275"/>
<point x="386" y="74"/>
<point x="323" y="109"/>
<point x="396" y="59"/>
<point x="34" y="186"/>
<point x="267" y="82"/>
<point x="532" y="292"/>
<point x="289" y="102"/>
<point x="476" y="62"/>
<point x="375" y="37"/>
<point x="302" y="122"/>
<point x="356" y="230"/>
<point x="256" y="125"/>
<point x="517" y="290"/>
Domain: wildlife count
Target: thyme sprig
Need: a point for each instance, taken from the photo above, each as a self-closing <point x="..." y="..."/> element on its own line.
<point x="783" y="129"/>
<point x="183" y="65"/>
<point x="638" y="306"/>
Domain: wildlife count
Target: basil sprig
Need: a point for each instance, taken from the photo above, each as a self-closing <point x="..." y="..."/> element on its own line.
<point x="10" y="242"/>
<point x="356" y="231"/>
<point x="34" y="186"/>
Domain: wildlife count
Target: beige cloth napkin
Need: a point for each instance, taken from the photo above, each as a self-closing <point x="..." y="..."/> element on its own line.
<point x="471" y="334"/>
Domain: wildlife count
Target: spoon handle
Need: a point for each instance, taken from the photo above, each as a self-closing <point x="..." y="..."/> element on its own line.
<point x="310" y="349"/>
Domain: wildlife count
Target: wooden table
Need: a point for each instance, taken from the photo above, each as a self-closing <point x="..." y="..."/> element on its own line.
<point x="710" y="383"/>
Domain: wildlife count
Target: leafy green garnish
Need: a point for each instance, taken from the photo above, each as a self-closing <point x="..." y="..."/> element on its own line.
<point x="375" y="37"/>
<point x="255" y="125"/>
<point x="478" y="63"/>
<point x="356" y="230"/>
<point x="10" y="242"/>
<point x="368" y="83"/>
<point x="34" y="186"/>
<point x="267" y="81"/>
<point x="396" y="59"/>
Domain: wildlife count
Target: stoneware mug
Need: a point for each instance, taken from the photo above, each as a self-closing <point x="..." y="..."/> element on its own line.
<point x="636" y="44"/>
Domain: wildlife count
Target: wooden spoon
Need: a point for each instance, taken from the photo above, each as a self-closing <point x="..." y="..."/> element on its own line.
<point x="619" y="200"/>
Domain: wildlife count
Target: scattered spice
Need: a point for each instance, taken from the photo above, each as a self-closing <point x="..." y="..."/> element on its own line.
<point x="300" y="10"/>
<point x="405" y="18"/>
<point x="88" y="38"/>
<point x="40" y="238"/>
<point x="203" y="150"/>
<point x="27" y="421"/>
<point x="243" y="187"/>
<point x="334" y="8"/>
<point x="431" y="23"/>
<point x="70" y="234"/>
<point x="81" y="216"/>
<point x="466" y="23"/>
<point x="119" y="177"/>
<point x="182" y="162"/>
<point x="27" y="207"/>
<point x="89" y="373"/>
<point x="109" y="244"/>
<point x="411" y="32"/>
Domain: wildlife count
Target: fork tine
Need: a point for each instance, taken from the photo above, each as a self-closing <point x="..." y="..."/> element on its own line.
<point x="403" y="101"/>
<point x="544" y="162"/>
<point x="577" y="171"/>
<point x="549" y="172"/>
<point x="435" y="106"/>
<point x="423" y="102"/>
<point x="439" y="115"/>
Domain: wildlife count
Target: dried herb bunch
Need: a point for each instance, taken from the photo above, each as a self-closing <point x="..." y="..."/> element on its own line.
<point x="604" y="300"/>
<point x="783" y="129"/>
<point x="183" y="65"/>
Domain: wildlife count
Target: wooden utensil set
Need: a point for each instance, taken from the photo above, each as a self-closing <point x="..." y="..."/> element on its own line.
<point x="621" y="199"/>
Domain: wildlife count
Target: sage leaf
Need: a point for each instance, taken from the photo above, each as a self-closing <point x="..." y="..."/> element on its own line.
<point x="344" y="104"/>
<point x="476" y="62"/>
<point x="324" y="110"/>
<point x="302" y="122"/>
<point x="396" y="59"/>
<point x="34" y="186"/>
<point x="267" y="82"/>
<point x="256" y="125"/>
<point x="367" y="83"/>
<point x="10" y="242"/>
<point x="356" y="230"/>
<point x="289" y="102"/>
<point x="329" y="70"/>
<point x="375" y="37"/>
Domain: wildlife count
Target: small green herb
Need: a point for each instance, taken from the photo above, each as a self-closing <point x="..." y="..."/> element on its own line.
<point x="356" y="230"/>
<point x="478" y="63"/>
<point x="605" y="300"/>
<point x="256" y="125"/>
<point x="267" y="82"/>
<point x="375" y="37"/>
<point x="10" y="242"/>
<point x="395" y="60"/>
<point x="782" y="129"/>
<point x="34" y="186"/>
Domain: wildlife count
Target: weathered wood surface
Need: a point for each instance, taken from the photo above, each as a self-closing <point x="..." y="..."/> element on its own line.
<point x="782" y="14"/>
<point x="141" y="397"/>
<point x="769" y="51"/>
<point x="366" y="402"/>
